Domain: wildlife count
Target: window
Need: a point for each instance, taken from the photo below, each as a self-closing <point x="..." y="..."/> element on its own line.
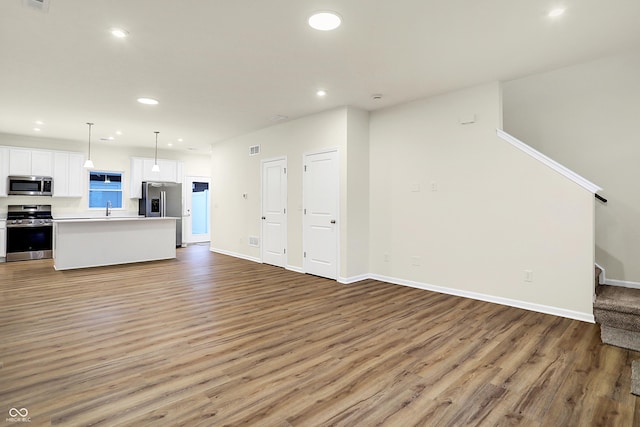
<point x="105" y="187"/>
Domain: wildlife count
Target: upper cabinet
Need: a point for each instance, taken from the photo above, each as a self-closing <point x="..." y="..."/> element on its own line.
<point x="4" y="170"/>
<point x="170" y="171"/>
<point x="30" y="162"/>
<point x="68" y="174"/>
<point x="65" y="168"/>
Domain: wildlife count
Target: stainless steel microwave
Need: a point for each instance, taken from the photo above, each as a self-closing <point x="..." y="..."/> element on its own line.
<point x="30" y="185"/>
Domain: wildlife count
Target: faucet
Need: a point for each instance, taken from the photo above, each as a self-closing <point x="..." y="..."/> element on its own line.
<point x="108" y="207"/>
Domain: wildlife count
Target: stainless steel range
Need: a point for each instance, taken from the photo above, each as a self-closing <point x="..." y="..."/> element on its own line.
<point x="29" y="232"/>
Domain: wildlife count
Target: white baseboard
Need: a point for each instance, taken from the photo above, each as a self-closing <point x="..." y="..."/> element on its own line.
<point x="295" y="269"/>
<point x="234" y="254"/>
<point x="622" y="283"/>
<point x="570" y="314"/>
<point x="602" y="279"/>
<point x="561" y="312"/>
<point x="353" y="279"/>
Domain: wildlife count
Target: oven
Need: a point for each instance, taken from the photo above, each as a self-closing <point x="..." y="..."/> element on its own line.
<point x="29" y="232"/>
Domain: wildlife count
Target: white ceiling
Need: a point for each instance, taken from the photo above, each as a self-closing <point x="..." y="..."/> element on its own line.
<point x="225" y="68"/>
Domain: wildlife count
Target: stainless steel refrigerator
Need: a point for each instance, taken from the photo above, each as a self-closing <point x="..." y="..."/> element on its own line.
<point x="162" y="199"/>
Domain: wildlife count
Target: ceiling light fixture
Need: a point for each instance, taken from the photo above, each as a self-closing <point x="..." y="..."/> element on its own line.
<point x="556" y="12"/>
<point x="36" y="129"/>
<point x="155" y="167"/>
<point x="325" y="21"/>
<point x="148" y="101"/>
<point x="119" y="33"/>
<point x="39" y="123"/>
<point x="118" y="132"/>
<point x="89" y="164"/>
<point x="321" y="92"/>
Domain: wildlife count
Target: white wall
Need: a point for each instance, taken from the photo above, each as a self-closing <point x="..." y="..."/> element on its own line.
<point x="495" y="213"/>
<point x="234" y="219"/>
<point x="586" y="116"/>
<point x="107" y="157"/>
<point x="356" y="256"/>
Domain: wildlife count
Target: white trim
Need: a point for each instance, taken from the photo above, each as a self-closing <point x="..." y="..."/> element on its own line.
<point x="234" y="254"/>
<point x="539" y="308"/>
<point x="570" y="314"/>
<point x="562" y="170"/>
<point x="622" y="283"/>
<point x="353" y="279"/>
<point x="295" y="269"/>
<point x="601" y="277"/>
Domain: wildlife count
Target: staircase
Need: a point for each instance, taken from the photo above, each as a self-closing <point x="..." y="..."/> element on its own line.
<point x="617" y="310"/>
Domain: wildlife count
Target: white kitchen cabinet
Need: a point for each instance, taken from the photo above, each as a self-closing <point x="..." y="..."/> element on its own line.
<point x="77" y="175"/>
<point x="30" y="162"/>
<point x="170" y="171"/>
<point x="41" y="163"/>
<point x="4" y="170"/>
<point x="135" y="184"/>
<point x="3" y="239"/>
<point x="19" y="161"/>
<point x="68" y="174"/>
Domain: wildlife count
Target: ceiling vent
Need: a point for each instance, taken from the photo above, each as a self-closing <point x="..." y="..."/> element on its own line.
<point x="254" y="150"/>
<point x="42" y="5"/>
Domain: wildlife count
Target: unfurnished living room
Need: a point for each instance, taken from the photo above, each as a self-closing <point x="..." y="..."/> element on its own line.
<point x="319" y="213"/>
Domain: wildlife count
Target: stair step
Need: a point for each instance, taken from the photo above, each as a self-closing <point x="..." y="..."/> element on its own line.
<point x="620" y="337"/>
<point x="617" y="310"/>
<point x="619" y="299"/>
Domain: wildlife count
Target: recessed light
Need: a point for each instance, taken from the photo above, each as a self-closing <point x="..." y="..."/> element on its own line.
<point x="39" y="123"/>
<point x="556" y="12"/>
<point x="148" y="101"/>
<point x="180" y="139"/>
<point x="119" y="33"/>
<point x="118" y="132"/>
<point x="321" y="92"/>
<point x="325" y="21"/>
<point x="170" y="144"/>
<point x="36" y="129"/>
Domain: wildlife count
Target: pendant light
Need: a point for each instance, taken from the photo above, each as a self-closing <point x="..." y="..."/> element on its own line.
<point x="89" y="164"/>
<point x="155" y="167"/>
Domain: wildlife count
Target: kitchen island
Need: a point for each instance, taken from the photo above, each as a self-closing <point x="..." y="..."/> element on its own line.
<point x="93" y="242"/>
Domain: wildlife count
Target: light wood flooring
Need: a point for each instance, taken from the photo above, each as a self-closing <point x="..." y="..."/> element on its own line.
<point x="210" y="340"/>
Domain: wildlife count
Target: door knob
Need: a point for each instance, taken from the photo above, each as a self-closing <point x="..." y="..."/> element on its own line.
<point x="264" y="217"/>
<point x="333" y="221"/>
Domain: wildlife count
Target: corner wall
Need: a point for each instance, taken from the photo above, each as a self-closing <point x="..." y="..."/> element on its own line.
<point x="455" y="208"/>
<point x="586" y="117"/>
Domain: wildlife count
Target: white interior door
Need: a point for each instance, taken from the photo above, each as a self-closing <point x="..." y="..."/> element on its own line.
<point x="320" y="212"/>
<point x="274" y="212"/>
<point x="197" y="214"/>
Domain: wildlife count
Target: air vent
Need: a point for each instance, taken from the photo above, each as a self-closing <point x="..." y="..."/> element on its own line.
<point x="42" y="5"/>
<point x="254" y="241"/>
<point x="254" y="150"/>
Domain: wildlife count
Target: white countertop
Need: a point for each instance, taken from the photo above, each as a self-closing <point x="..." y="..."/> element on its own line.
<point x="114" y="218"/>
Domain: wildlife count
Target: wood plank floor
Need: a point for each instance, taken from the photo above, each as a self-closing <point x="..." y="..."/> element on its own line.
<point x="209" y="340"/>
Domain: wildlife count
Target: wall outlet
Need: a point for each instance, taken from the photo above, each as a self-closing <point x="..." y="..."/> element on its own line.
<point x="415" y="261"/>
<point x="528" y="276"/>
<point x="434" y="186"/>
